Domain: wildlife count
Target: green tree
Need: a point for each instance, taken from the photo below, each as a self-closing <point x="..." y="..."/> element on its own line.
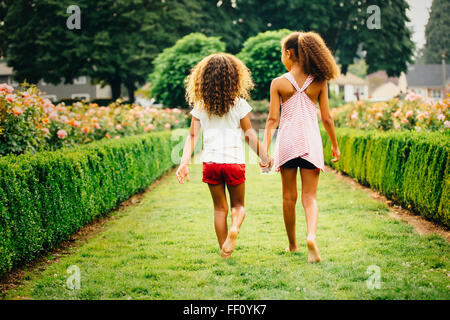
<point x="174" y="64"/>
<point x="232" y="21"/>
<point x="116" y="44"/>
<point x="343" y="26"/>
<point x="261" y="54"/>
<point x="437" y="32"/>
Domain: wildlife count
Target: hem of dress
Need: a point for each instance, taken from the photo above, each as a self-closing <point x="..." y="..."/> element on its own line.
<point x="301" y="156"/>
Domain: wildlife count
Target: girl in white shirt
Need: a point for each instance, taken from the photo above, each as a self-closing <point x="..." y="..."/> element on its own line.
<point x="217" y="87"/>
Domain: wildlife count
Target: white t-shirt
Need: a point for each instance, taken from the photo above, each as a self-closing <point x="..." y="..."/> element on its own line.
<point x="222" y="136"/>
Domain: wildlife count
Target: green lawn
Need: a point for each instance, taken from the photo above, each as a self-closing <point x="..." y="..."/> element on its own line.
<point x="166" y="248"/>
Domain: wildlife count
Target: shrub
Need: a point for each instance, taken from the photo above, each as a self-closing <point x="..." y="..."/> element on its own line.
<point x="411" y="114"/>
<point x="411" y="168"/>
<point x="262" y="55"/>
<point x="29" y="123"/>
<point x="46" y="197"/>
<point x="22" y="120"/>
<point x="174" y="64"/>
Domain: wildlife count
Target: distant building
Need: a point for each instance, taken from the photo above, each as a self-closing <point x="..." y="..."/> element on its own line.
<point x="383" y="88"/>
<point x="80" y="89"/>
<point x="427" y="80"/>
<point x="353" y="87"/>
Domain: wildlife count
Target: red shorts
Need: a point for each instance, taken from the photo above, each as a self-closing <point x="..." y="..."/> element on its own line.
<point x="230" y="173"/>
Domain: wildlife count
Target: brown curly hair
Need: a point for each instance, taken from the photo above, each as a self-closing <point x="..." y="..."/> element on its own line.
<point x="216" y="82"/>
<point x="313" y="55"/>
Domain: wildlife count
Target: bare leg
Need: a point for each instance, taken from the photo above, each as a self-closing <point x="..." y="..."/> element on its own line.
<point x="237" y="194"/>
<point x="310" y="180"/>
<point x="220" y="211"/>
<point x="289" y="182"/>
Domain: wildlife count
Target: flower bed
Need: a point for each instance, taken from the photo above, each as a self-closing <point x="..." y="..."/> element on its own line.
<point x="47" y="196"/>
<point x="412" y="168"/>
<point x="411" y="114"/>
<point x="30" y="123"/>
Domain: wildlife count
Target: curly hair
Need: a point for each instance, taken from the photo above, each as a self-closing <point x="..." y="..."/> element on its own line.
<point x="216" y="82"/>
<point x="313" y="55"/>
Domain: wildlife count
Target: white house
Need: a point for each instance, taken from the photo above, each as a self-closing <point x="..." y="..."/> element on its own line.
<point x="353" y="87"/>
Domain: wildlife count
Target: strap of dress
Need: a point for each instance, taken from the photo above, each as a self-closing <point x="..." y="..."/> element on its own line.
<point x="291" y="79"/>
<point x="308" y="81"/>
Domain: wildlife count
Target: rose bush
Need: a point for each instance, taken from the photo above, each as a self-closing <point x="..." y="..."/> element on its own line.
<point x="413" y="113"/>
<point x="30" y="123"/>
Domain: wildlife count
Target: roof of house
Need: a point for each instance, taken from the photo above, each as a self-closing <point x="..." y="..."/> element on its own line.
<point x="428" y="75"/>
<point x="5" y="70"/>
<point x="349" y="78"/>
<point x="379" y="78"/>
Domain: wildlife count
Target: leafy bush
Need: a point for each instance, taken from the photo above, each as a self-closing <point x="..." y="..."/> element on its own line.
<point x="22" y="120"/>
<point x="174" y="64"/>
<point x="29" y="123"/>
<point x="411" y="114"/>
<point x="411" y="168"/>
<point x="46" y="197"/>
<point x="262" y="55"/>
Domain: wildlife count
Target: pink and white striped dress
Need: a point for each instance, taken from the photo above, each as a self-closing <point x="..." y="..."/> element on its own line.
<point x="298" y="134"/>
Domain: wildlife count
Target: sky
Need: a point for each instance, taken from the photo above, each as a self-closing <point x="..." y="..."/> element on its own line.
<point x="418" y="14"/>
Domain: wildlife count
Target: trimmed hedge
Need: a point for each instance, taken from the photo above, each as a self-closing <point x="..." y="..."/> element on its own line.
<point x="411" y="168"/>
<point x="46" y="197"/>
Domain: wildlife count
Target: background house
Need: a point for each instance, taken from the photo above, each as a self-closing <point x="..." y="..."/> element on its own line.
<point x="383" y="88"/>
<point x="427" y="80"/>
<point x="80" y="89"/>
<point x="353" y="87"/>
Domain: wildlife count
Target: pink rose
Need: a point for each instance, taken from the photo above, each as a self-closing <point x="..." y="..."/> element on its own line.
<point x="409" y="114"/>
<point x="6" y="88"/>
<point x="167" y="126"/>
<point x="64" y="119"/>
<point x="441" y="117"/>
<point x="45" y="131"/>
<point x="17" y="111"/>
<point x="148" y="128"/>
<point x="118" y="127"/>
<point x="62" y="134"/>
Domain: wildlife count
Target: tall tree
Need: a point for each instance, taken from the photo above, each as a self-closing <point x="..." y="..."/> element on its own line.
<point x="437" y="32"/>
<point x="116" y="44"/>
<point x="343" y="25"/>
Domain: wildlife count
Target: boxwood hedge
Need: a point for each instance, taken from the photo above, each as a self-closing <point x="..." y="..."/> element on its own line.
<point x="411" y="168"/>
<point x="46" y="197"/>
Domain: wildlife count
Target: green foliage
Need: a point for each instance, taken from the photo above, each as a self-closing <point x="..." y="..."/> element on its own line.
<point x="342" y="24"/>
<point x="262" y="55"/>
<point x="116" y="43"/>
<point x="46" y="197"/>
<point x="336" y="100"/>
<point x="409" y="167"/>
<point x="359" y="68"/>
<point x="174" y="64"/>
<point x="437" y="32"/>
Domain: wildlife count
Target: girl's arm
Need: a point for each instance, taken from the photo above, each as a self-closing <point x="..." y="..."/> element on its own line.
<point x="274" y="115"/>
<point x="191" y="141"/>
<point x="253" y="141"/>
<point x="328" y="121"/>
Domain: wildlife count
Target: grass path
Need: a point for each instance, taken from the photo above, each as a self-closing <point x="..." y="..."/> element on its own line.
<point x="165" y="248"/>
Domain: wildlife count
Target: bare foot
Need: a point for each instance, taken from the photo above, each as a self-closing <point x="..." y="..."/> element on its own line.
<point x="291" y="249"/>
<point x="230" y="242"/>
<point x="313" y="251"/>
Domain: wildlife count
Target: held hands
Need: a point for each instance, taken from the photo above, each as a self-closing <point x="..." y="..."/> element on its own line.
<point x="183" y="172"/>
<point x="336" y="154"/>
<point x="266" y="164"/>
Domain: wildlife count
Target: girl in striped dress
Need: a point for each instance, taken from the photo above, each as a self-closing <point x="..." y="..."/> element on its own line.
<point x="310" y="65"/>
